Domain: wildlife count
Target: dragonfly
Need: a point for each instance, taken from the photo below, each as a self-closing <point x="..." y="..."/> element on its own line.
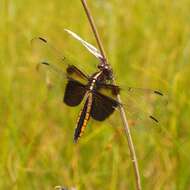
<point x="97" y="90"/>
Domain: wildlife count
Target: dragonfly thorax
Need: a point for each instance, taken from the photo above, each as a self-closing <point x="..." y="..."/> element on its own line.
<point x="96" y="77"/>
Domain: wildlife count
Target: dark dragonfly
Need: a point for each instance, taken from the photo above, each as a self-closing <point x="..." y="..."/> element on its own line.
<point x="97" y="91"/>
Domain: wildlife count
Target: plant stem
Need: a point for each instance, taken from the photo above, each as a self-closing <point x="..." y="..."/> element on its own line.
<point x="122" y="110"/>
<point x="94" y="29"/>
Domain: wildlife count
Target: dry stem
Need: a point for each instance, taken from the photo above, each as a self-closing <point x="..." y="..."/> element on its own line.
<point x="122" y="111"/>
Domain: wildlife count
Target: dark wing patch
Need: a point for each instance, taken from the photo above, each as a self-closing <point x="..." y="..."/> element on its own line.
<point x="76" y="74"/>
<point x="102" y="106"/>
<point x="74" y="93"/>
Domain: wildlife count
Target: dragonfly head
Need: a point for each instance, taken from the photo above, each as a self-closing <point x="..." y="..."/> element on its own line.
<point x="106" y="69"/>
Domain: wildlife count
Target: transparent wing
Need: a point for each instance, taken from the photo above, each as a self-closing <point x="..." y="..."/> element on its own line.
<point x="87" y="45"/>
<point x="47" y="55"/>
<point x="72" y="89"/>
<point x="141" y="91"/>
<point x="144" y="105"/>
<point x="54" y="78"/>
<point x="59" y="72"/>
<point x="141" y="105"/>
<point x="43" y="51"/>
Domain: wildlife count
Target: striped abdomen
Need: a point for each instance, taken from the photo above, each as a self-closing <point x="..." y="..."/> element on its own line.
<point x="83" y="118"/>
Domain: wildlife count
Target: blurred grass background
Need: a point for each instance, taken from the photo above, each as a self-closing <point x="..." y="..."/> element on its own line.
<point x="148" y="44"/>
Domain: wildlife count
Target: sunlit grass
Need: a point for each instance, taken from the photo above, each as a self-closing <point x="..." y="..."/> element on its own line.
<point x="147" y="44"/>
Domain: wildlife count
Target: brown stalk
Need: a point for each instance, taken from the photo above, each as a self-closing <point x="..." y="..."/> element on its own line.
<point x="122" y="110"/>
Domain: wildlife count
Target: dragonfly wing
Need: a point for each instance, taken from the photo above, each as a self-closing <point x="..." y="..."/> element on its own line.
<point x="46" y="54"/>
<point x="102" y="106"/>
<point x="43" y="51"/>
<point x="144" y="105"/>
<point x="74" y="92"/>
<point x="141" y="91"/>
<point x="87" y="45"/>
<point x="140" y="104"/>
<point x="59" y="72"/>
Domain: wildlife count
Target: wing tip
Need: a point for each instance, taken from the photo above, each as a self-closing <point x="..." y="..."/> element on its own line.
<point x="38" y="38"/>
<point x="158" y="93"/>
<point x="45" y="63"/>
<point x="154" y="119"/>
<point x="42" y="39"/>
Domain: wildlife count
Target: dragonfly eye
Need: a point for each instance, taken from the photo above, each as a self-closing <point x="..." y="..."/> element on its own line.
<point x="108" y="73"/>
<point x="100" y="66"/>
<point x="70" y="70"/>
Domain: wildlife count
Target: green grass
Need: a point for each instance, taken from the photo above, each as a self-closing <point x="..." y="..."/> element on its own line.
<point x="148" y="44"/>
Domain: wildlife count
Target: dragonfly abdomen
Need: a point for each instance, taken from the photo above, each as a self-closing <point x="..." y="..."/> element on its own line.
<point x="83" y="118"/>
